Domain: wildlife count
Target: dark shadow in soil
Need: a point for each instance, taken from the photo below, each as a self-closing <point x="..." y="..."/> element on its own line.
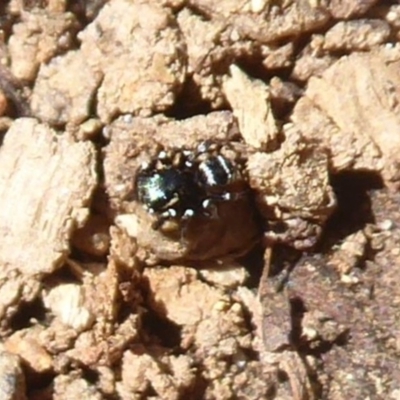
<point x="157" y="326"/>
<point x="85" y="10"/>
<point x="17" y="105"/>
<point x="189" y="102"/>
<point x="284" y="258"/>
<point x="254" y="264"/>
<point x="6" y="20"/>
<point x="298" y="310"/>
<point x="28" y="312"/>
<point x="39" y="386"/>
<point x="166" y="332"/>
<point x="354" y="209"/>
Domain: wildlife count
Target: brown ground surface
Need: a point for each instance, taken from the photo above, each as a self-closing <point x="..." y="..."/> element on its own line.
<point x="283" y="285"/>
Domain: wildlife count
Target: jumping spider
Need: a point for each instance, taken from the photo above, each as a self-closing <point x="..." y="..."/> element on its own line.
<point x="181" y="184"/>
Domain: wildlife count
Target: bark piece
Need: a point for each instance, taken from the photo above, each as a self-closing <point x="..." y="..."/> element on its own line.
<point x="293" y="190"/>
<point x="312" y="61"/>
<point x="64" y="89"/>
<point x="46" y="182"/>
<point x="37" y="38"/>
<point x="212" y="46"/>
<point x="250" y="101"/>
<point x="277" y="57"/>
<point x="144" y="71"/>
<point x="173" y="291"/>
<point x="362" y="34"/>
<point x="353" y="109"/>
<point x="343" y="9"/>
<point x="27" y="347"/>
<point x="268" y="23"/>
<point x="141" y="74"/>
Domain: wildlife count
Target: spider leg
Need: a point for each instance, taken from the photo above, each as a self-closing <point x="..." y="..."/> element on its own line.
<point x="164" y="216"/>
<point x="210" y="209"/>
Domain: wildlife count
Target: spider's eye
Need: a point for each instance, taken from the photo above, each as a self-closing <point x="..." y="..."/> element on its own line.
<point x="216" y="171"/>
